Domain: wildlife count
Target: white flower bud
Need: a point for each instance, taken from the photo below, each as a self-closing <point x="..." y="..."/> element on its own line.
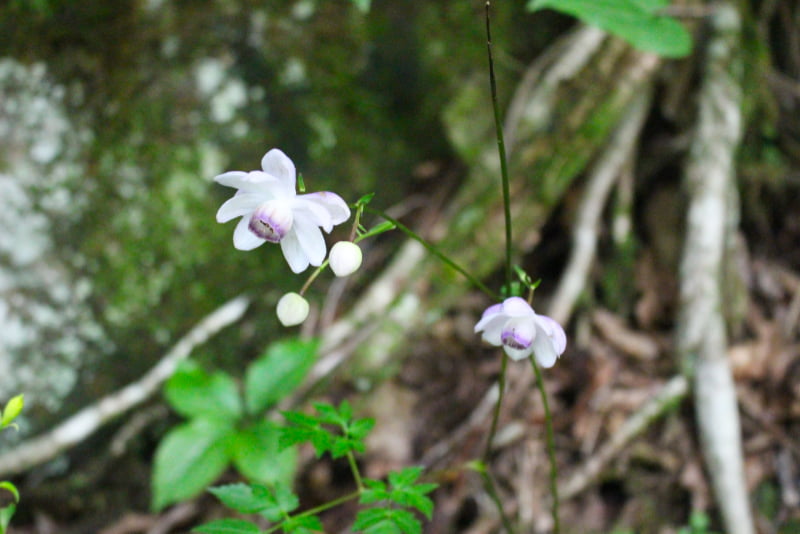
<point x="345" y="258"/>
<point x="292" y="309"/>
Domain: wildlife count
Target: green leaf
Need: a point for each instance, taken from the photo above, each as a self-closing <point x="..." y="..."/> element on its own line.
<point x="278" y="372"/>
<point x="303" y="525"/>
<point x="228" y="526"/>
<point x="243" y="497"/>
<point x="6" y="514"/>
<point x="12" y="410"/>
<point x="636" y="21"/>
<point x="305" y="428"/>
<point x="188" y="459"/>
<point x="257" y="454"/>
<point x="403" y="491"/>
<point x="194" y="393"/>
<point x="281" y="498"/>
<point x="386" y="521"/>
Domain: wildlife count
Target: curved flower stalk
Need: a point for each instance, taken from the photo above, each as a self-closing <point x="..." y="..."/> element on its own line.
<point x="272" y="211"/>
<point x="521" y="332"/>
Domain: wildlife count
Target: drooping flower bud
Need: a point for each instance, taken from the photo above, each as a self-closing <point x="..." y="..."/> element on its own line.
<point x="292" y="309"/>
<point x="345" y="258"/>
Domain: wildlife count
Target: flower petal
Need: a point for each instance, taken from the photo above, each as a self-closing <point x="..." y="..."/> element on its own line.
<point x="555" y="332"/>
<point x="492" y="328"/>
<point x="517" y="354"/>
<point x="311" y="240"/>
<point x="238" y="205"/>
<point x="313" y="212"/>
<point x="257" y="182"/>
<point x="293" y="252"/>
<point x="488" y="314"/>
<point x="543" y="348"/>
<point x="278" y="164"/>
<point x="337" y="208"/>
<point x="244" y="238"/>
<point x="237" y="179"/>
<point x="517" y="307"/>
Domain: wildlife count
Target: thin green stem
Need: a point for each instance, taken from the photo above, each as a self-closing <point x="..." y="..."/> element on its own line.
<point x="551" y="445"/>
<point x="313" y="277"/>
<point x="490" y="488"/>
<point x="317" y="509"/>
<point x="501" y="386"/>
<point x="351" y="459"/>
<point x="433" y="250"/>
<point x="501" y="148"/>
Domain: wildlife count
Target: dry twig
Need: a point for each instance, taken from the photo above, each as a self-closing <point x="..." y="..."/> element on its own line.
<point x="87" y="421"/>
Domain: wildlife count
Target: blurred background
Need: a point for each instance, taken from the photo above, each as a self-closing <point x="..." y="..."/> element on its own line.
<point x="116" y="116"/>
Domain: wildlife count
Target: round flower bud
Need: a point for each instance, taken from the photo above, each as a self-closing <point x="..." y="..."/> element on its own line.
<point x="345" y="258"/>
<point x="292" y="309"/>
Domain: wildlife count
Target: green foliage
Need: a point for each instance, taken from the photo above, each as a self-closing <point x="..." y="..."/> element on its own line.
<point x="335" y="430"/>
<point x="278" y="372"/>
<point x="639" y="22"/>
<point x="698" y="524"/>
<point x="193" y="393"/>
<point x="10" y="412"/>
<point x="275" y="503"/>
<point x="12" y="409"/>
<point x="228" y="526"/>
<point x="218" y="432"/>
<point x="348" y="436"/>
<point x="190" y="457"/>
<point x="402" y="490"/>
<point x="386" y="521"/>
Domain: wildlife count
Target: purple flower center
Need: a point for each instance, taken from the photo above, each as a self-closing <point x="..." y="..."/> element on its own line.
<point x="271" y="221"/>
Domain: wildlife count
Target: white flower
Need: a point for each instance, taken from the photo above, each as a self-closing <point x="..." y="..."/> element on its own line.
<point x="272" y="211"/>
<point x="522" y="332"/>
<point x="292" y="309"/>
<point x="345" y="258"/>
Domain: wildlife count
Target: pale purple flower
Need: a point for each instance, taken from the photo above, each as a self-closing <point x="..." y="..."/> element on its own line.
<point x="522" y="332"/>
<point x="272" y="211"/>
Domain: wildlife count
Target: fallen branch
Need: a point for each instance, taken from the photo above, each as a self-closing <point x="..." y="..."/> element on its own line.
<point x="74" y="430"/>
<point x="701" y="330"/>
<point x="668" y="396"/>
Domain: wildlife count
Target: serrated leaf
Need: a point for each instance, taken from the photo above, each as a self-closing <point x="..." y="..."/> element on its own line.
<point x="303" y="428"/>
<point x="406" y="477"/>
<point x="228" y="526"/>
<point x="242" y="498"/>
<point x="303" y="525"/>
<point x="329" y="415"/>
<point x="360" y="428"/>
<point x="192" y="392"/>
<point x="406" y="521"/>
<point x="636" y="21"/>
<point x="386" y="521"/>
<point x="370" y="518"/>
<point x="189" y="458"/>
<point x="257" y="454"/>
<point x="278" y="372"/>
<point x="12" y="410"/>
